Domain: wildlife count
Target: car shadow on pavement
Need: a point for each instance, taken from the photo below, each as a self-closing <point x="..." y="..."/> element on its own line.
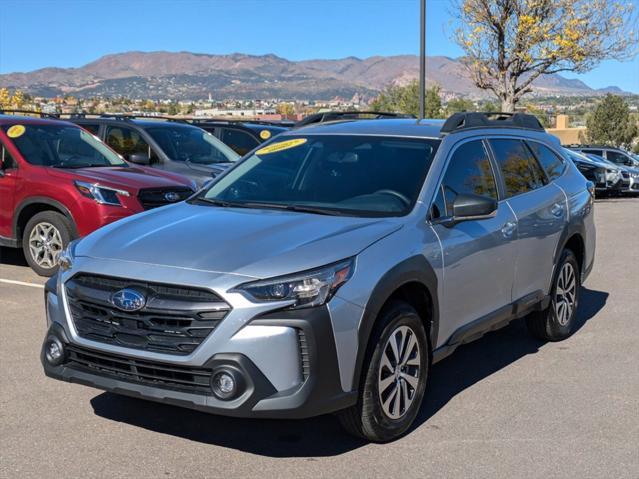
<point x="322" y="436"/>
<point x="12" y="256"/>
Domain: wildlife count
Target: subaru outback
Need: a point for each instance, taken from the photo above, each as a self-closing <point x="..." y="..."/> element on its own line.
<point x="328" y="270"/>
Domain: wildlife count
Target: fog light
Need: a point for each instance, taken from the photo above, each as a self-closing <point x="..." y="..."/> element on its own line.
<point x="224" y="385"/>
<point x="54" y="351"/>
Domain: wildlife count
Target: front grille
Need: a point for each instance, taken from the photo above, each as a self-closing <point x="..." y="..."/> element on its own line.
<point x="174" y="320"/>
<point x="155" y="197"/>
<point x="183" y="378"/>
<point x="304" y="355"/>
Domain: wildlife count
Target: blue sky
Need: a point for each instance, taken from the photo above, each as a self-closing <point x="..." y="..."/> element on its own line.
<point x="64" y="33"/>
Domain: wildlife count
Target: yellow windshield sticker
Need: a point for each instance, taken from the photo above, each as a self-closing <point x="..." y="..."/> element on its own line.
<point x="281" y="146"/>
<point x="265" y="134"/>
<point x="15" y="131"/>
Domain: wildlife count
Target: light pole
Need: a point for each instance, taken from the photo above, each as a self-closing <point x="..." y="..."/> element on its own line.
<point x="422" y="59"/>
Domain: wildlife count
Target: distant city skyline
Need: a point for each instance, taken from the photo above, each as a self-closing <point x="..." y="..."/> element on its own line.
<point x="70" y="33"/>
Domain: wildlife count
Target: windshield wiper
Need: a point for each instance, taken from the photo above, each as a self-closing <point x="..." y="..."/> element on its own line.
<point x="293" y="207"/>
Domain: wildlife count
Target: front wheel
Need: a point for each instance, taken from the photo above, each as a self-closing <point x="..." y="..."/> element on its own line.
<point x="557" y="321"/>
<point x="45" y="236"/>
<point x="395" y="376"/>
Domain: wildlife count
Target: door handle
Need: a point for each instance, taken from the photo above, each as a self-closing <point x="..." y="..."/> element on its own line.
<point x="557" y="209"/>
<point x="508" y="229"/>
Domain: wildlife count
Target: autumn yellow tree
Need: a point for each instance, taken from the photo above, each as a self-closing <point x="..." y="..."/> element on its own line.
<point x="17" y="100"/>
<point x="510" y="43"/>
<point x="285" y="109"/>
<point x="5" y="99"/>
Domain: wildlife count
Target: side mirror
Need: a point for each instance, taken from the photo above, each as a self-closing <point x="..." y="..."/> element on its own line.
<point x="473" y="206"/>
<point x="469" y="207"/>
<point x="139" y="158"/>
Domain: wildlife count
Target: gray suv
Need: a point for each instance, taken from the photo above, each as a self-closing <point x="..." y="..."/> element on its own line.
<point x="163" y="143"/>
<point x="328" y="270"/>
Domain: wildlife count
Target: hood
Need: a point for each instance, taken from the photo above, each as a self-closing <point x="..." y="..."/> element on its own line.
<point x="212" y="169"/>
<point x="130" y="178"/>
<point x="256" y="243"/>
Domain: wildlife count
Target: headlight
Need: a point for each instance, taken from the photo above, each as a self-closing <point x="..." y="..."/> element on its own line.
<point x="305" y="290"/>
<point x="65" y="259"/>
<point x="101" y="194"/>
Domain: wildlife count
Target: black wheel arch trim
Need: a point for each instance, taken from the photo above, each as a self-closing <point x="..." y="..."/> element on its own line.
<point x="572" y="229"/>
<point x="46" y="201"/>
<point x="415" y="269"/>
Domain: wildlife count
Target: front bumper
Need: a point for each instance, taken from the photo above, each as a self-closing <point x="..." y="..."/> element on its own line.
<point x="317" y="392"/>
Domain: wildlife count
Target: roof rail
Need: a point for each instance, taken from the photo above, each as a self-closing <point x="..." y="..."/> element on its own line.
<point x="30" y="112"/>
<point x="468" y="120"/>
<point x="591" y="145"/>
<point x="127" y="116"/>
<point x="230" y="121"/>
<point x="348" y="115"/>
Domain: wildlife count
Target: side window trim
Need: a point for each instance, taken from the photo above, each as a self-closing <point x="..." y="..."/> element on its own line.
<point x="6" y="153"/>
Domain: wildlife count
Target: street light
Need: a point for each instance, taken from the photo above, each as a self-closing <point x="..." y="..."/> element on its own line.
<point x="422" y="59"/>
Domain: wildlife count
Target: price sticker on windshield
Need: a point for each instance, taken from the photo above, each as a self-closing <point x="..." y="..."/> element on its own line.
<point x="16" y="131"/>
<point x="281" y="146"/>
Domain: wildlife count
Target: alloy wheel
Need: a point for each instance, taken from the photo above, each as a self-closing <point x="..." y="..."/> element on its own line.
<point x="399" y="372"/>
<point x="45" y="245"/>
<point x="565" y="294"/>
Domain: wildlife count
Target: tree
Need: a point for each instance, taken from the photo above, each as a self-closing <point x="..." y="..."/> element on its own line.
<point x="405" y="99"/>
<point x="17" y="100"/>
<point x="5" y="99"/>
<point x="611" y="123"/>
<point x="285" y="109"/>
<point x="457" y="105"/>
<point x="541" y="115"/>
<point x="510" y="43"/>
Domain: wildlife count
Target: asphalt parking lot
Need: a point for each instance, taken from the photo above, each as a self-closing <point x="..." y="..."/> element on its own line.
<point x="504" y="406"/>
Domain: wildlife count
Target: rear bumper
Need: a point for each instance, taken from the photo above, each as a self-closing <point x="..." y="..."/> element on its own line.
<point x="319" y="392"/>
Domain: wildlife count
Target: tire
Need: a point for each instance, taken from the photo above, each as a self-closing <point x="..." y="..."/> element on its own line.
<point x="56" y="228"/>
<point x="557" y="322"/>
<point x="369" y="418"/>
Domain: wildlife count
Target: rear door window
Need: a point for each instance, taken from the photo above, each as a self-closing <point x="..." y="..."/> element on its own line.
<point x="127" y="141"/>
<point x="240" y="141"/>
<point x="520" y="170"/>
<point x="469" y="173"/>
<point x="91" y="127"/>
<point x="616" y="157"/>
<point x="551" y="162"/>
<point x="594" y="152"/>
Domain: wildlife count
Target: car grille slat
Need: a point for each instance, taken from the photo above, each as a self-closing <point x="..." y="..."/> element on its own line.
<point x="190" y="317"/>
<point x="184" y="378"/>
<point x="155" y="197"/>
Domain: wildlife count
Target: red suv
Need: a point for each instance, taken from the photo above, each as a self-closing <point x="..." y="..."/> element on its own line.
<point x="58" y="182"/>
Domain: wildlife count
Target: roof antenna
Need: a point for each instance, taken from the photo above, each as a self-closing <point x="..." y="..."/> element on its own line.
<point x="422" y="60"/>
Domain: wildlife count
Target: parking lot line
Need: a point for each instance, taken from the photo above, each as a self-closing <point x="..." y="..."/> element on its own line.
<point x="21" y="283"/>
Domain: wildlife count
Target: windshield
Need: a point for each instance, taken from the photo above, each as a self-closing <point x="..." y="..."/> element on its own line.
<point x="325" y="174"/>
<point x="188" y="143"/>
<point x="61" y="146"/>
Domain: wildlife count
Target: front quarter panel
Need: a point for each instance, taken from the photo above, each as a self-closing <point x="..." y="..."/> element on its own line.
<point x="410" y="254"/>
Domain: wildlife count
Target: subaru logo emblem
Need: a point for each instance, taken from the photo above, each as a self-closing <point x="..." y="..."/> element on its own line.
<point x="128" y="300"/>
<point x="171" y="196"/>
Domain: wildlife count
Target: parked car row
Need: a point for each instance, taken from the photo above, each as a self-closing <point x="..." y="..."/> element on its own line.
<point x="613" y="170"/>
<point x="326" y="271"/>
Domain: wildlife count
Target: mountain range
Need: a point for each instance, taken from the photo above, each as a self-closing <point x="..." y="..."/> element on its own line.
<point x="193" y="76"/>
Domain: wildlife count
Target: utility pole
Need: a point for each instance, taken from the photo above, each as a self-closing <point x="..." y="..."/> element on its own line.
<point x="422" y="59"/>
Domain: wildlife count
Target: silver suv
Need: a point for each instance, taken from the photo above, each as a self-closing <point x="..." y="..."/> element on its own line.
<point x="328" y="270"/>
